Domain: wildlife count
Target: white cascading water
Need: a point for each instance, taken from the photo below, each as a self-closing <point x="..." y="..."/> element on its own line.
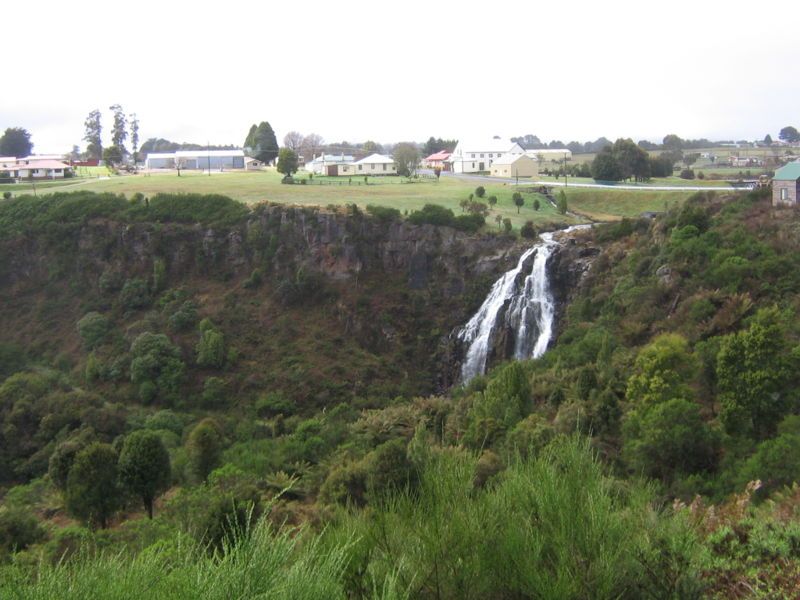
<point x="529" y="314"/>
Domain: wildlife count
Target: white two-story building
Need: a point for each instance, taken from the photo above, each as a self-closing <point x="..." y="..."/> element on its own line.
<point x="477" y="156"/>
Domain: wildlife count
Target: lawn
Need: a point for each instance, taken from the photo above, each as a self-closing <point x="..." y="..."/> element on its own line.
<point x="253" y="187"/>
<point x="262" y="186"/>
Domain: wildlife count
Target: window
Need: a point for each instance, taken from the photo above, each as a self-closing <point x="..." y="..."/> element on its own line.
<point x="384" y="166"/>
<point x="472" y="156"/>
<point x="482" y="155"/>
<point x="784" y="194"/>
<point x="360" y="167"/>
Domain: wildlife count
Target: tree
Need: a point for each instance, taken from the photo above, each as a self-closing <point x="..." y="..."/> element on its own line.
<point x="93" y="328"/>
<point x="119" y="132"/>
<point x="768" y="140"/>
<point x="536" y="204"/>
<point x="662" y="371"/>
<point x="287" y="162"/>
<point x="492" y="201"/>
<point x="144" y="467"/>
<point x="250" y="140"/>
<point x="406" y="158"/>
<point x="561" y="203"/>
<point x="261" y="143"/>
<point x="789" y="135"/>
<point x="519" y="201"/>
<point x="204" y="447"/>
<point x="672" y="142"/>
<point x="93" y="493"/>
<point x="211" y="348"/>
<point x="605" y="166"/>
<point x="312" y="143"/>
<point x="370" y="147"/>
<point x="112" y="155"/>
<point x="690" y="159"/>
<point x="293" y="140"/>
<point x="668" y="439"/>
<point x="499" y="220"/>
<point x="755" y="371"/>
<point x="16" y="142"/>
<point x="156" y="366"/>
<point x="480" y="191"/>
<point x="92" y="132"/>
<point x="633" y="161"/>
<point x="134" y="124"/>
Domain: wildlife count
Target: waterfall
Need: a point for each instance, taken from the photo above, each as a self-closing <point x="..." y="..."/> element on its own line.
<point x="528" y="315"/>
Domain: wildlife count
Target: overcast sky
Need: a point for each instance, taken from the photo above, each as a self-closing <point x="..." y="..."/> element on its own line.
<point x="404" y="70"/>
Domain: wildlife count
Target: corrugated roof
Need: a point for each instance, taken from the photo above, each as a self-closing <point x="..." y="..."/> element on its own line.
<point x="790" y="172"/>
<point x="376" y="159"/>
<point x="185" y="153"/>
<point x="443" y="155"/>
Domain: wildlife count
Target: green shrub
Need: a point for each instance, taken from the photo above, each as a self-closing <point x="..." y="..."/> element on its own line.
<point x="211" y="349"/>
<point x="18" y="530"/>
<point x="93" y="328"/>
<point x="469" y="223"/>
<point x="383" y="213"/>
<point x="528" y="230"/>
<point x="184" y="318"/>
<point x="134" y="294"/>
<point x="432" y="214"/>
<point x="156" y="366"/>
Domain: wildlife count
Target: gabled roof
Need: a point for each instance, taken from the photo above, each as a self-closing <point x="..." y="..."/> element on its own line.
<point x="441" y="155"/>
<point x="790" y="172"/>
<point x="41" y="164"/>
<point x="510" y="158"/>
<point x="376" y="159"/>
<point x="333" y="158"/>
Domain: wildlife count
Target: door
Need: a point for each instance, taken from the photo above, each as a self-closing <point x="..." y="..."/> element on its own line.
<point x="331" y="170"/>
<point x="481" y="167"/>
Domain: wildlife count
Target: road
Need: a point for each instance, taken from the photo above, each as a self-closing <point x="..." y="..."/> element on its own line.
<point x="601" y="186"/>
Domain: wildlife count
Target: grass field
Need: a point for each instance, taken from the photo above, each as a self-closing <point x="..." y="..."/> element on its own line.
<point x="609" y="205"/>
<point x="253" y="187"/>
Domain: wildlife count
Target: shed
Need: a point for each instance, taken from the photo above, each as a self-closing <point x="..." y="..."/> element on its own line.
<point x="786" y="185"/>
<point x="515" y="165"/>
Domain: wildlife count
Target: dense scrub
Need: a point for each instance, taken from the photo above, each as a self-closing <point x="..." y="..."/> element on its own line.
<point x="650" y="453"/>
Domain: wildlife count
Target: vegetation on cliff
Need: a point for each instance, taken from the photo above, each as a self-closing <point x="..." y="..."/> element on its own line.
<point x="619" y="465"/>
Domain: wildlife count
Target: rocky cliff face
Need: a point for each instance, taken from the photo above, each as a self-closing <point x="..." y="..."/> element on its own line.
<point x="339" y="246"/>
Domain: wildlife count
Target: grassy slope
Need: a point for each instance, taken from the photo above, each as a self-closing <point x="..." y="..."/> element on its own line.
<point x="261" y="186"/>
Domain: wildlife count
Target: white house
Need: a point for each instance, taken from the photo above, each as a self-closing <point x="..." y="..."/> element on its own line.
<point x="376" y="164"/>
<point x="34" y="167"/>
<point x="476" y="156"/>
<point x="329" y="164"/>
